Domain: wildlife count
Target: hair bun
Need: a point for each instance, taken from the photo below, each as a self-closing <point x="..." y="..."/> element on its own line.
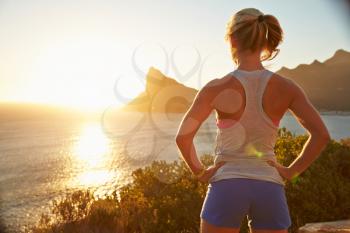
<point x="245" y="31"/>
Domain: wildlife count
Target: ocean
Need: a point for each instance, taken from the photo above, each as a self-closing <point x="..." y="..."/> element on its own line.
<point x="41" y="160"/>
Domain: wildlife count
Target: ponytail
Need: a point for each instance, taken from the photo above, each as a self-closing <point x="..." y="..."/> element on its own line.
<point x="253" y="30"/>
<point x="274" y="37"/>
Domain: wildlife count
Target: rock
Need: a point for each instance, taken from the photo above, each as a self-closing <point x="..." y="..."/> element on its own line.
<point x="326" y="83"/>
<point x="341" y="226"/>
<point x="162" y="94"/>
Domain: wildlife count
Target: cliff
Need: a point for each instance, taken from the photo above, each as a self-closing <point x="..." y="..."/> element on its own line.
<point x="162" y="94"/>
<point x="327" y="83"/>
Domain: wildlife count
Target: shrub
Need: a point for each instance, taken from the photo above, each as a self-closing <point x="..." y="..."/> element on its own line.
<point x="164" y="197"/>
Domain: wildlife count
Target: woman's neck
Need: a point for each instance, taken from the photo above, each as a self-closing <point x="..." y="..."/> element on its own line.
<point x="248" y="60"/>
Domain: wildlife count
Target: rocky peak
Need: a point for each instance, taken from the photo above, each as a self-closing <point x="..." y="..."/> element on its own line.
<point x="162" y="94"/>
<point x="156" y="80"/>
<point x="316" y="63"/>
<point x="341" y="52"/>
<point x="340" y="56"/>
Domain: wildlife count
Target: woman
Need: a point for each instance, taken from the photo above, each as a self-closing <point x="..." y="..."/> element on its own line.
<point x="246" y="179"/>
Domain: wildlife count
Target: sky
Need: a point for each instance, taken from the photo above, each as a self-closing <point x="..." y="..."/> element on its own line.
<point x="93" y="54"/>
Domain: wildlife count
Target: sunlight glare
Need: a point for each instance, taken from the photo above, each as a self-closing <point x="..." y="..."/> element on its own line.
<point x="95" y="178"/>
<point x="79" y="73"/>
<point x="92" y="146"/>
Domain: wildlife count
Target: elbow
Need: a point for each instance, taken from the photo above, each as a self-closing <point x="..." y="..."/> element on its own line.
<point x="321" y="136"/>
<point x="178" y="139"/>
<point x="181" y="139"/>
<point x="326" y="138"/>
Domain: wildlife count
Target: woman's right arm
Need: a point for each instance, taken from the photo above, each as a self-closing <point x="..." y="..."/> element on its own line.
<point x="306" y="114"/>
<point x="310" y="119"/>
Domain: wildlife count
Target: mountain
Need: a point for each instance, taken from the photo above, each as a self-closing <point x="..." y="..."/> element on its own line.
<point x="327" y="83"/>
<point x="162" y="94"/>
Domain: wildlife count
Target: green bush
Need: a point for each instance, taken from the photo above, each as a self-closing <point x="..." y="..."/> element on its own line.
<point x="165" y="198"/>
<point x="322" y="192"/>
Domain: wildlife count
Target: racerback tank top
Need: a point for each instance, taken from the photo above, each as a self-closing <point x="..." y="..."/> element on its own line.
<point x="247" y="143"/>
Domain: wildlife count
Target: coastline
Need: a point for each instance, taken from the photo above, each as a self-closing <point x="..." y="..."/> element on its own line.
<point x="333" y="112"/>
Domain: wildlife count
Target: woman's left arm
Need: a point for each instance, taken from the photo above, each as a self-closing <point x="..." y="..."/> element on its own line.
<point x="193" y="119"/>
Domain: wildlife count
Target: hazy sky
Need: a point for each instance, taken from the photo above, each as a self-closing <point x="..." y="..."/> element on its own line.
<point x="72" y="52"/>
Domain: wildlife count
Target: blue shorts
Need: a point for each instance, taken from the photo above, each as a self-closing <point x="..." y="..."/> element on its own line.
<point x="264" y="204"/>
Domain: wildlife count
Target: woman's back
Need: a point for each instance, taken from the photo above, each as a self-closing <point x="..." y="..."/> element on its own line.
<point x="228" y="97"/>
<point x="249" y="106"/>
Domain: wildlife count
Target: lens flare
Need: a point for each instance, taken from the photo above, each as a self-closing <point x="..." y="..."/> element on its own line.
<point x="295" y="179"/>
<point x="251" y="150"/>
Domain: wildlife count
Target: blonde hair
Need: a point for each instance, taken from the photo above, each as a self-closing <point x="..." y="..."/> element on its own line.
<point x="254" y="31"/>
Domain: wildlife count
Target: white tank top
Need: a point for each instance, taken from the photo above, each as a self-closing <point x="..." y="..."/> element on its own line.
<point x="249" y="141"/>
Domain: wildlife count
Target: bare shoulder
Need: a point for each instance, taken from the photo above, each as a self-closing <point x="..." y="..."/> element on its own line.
<point x="299" y="102"/>
<point x="303" y="110"/>
<point x="286" y="85"/>
<point x="218" y="82"/>
<point x="281" y="80"/>
<point x="215" y="85"/>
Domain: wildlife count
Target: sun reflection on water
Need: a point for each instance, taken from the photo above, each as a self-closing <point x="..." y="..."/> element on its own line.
<point x="93" y="146"/>
<point x="93" y="178"/>
<point x="92" y="155"/>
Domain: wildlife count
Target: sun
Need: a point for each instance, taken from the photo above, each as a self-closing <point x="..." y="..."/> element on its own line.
<point x="78" y="73"/>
